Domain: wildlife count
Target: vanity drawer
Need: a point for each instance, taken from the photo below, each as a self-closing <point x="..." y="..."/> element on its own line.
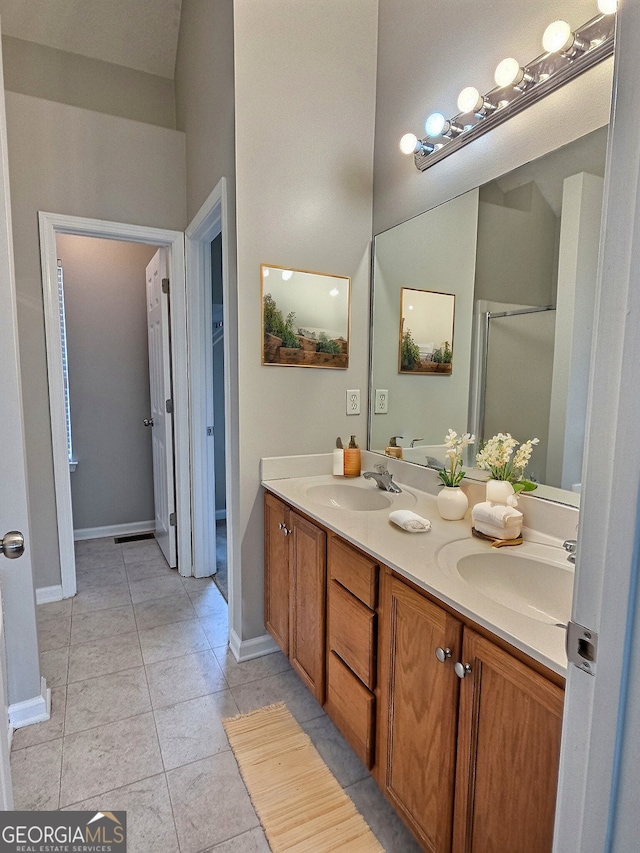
<point x="352" y="708"/>
<point x="352" y="633"/>
<point x="355" y="571"/>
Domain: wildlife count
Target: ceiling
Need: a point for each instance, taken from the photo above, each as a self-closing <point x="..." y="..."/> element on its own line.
<point x="140" y="34"/>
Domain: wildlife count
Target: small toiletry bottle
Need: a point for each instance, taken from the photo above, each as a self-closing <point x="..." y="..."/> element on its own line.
<point x="393" y="449"/>
<point x="338" y="459"/>
<point x="352" y="459"/>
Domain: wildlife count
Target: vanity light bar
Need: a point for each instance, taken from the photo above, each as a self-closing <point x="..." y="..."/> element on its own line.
<point x="537" y="79"/>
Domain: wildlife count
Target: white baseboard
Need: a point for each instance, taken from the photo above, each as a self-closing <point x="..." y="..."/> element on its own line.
<point x="249" y="649"/>
<point x="130" y="529"/>
<point x="47" y="594"/>
<point x="36" y="710"/>
<point x="221" y="514"/>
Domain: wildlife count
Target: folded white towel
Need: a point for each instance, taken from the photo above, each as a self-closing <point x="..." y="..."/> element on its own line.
<point x="410" y="521"/>
<point x="496" y="532"/>
<point x="498" y="515"/>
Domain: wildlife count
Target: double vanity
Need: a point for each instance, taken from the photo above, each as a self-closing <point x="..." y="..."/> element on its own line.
<point x="440" y="658"/>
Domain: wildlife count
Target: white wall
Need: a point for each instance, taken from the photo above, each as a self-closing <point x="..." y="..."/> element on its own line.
<point x="577" y="268"/>
<point x="106" y="320"/>
<point x="305" y="98"/>
<point x="72" y="161"/>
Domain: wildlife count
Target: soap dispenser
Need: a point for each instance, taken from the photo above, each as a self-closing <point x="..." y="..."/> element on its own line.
<point x="338" y="459"/>
<point x="393" y="448"/>
<point x="352" y="459"/>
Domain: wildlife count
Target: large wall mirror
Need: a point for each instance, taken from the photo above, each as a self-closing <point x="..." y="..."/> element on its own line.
<point x="520" y="254"/>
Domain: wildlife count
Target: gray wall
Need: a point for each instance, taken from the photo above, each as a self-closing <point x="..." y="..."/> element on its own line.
<point x="205" y="105"/>
<point x="106" y="313"/>
<point x="73" y="161"/>
<point x="68" y="78"/>
<point x="305" y="100"/>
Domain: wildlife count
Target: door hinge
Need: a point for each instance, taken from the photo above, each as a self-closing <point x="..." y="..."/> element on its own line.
<point x="582" y="647"/>
<point x="172" y="519"/>
<point x="165" y="285"/>
<point x="209" y="430"/>
<point x="168" y="407"/>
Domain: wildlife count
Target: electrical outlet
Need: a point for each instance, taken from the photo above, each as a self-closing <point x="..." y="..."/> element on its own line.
<point x="353" y="402"/>
<point x="381" y="406"/>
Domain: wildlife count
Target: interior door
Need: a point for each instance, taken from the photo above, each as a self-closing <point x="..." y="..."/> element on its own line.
<point x="14" y="574"/>
<point x="161" y="397"/>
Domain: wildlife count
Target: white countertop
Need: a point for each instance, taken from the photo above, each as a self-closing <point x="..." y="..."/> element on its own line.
<point x="423" y="558"/>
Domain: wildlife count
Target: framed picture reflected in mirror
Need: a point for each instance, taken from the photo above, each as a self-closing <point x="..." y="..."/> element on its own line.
<point x="305" y="318"/>
<point x="426" y="332"/>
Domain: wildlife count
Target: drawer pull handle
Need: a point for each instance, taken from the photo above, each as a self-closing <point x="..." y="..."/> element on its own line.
<point x="443" y="654"/>
<point x="462" y="669"/>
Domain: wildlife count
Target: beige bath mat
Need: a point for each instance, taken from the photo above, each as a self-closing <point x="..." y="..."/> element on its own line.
<point x="301" y="805"/>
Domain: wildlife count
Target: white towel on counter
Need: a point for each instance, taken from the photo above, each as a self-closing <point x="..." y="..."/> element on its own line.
<point x="410" y="521"/>
<point x="496" y="532"/>
<point x="498" y="515"/>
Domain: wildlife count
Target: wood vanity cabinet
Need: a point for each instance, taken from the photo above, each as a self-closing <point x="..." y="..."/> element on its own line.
<point x="352" y="640"/>
<point x="471" y="764"/>
<point x="295" y="589"/>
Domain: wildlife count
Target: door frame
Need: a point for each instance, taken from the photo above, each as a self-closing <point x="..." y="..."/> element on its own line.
<point x="599" y="735"/>
<point x="211" y="220"/>
<point x="51" y="224"/>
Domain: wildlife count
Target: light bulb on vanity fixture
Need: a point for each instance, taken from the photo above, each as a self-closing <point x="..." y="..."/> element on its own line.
<point x="286" y="274"/>
<point x="471" y="101"/>
<point x="509" y="72"/>
<point x="607" y="7"/>
<point x="410" y="144"/>
<point x="438" y="125"/>
<point x="558" y="38"/>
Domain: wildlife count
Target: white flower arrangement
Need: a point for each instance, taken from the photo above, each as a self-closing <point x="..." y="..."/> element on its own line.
<point x="496" y="457"/>
<point x="456" y="444"/>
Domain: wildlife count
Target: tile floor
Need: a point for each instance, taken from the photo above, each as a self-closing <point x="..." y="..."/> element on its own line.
<point x="141" y="678"/>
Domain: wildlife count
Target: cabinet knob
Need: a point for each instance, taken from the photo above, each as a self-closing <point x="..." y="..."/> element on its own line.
<point x="286" y="530"/>
<point x="462" y="669"/>
<point x="443" y="654"/>
<point x="280" y="526"/>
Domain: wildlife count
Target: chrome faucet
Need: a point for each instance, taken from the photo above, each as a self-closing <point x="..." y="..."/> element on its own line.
<point x="383" y="478"/>
<point x="570" y="545"/>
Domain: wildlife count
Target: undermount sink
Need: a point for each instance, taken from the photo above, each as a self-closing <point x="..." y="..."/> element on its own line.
<point x="532" y="579"/>
<point x="346" y="496"/>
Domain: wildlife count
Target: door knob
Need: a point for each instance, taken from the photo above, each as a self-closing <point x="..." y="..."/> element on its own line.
<point x="148" y="422"/>
<point x="12" y="544"/>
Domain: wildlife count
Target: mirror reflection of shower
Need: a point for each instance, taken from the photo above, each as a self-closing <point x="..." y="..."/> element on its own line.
<point x="514" y="376"/>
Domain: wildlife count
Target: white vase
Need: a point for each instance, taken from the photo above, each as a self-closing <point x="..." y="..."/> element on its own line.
<point x="501" y="492"/>
<point x="452" y="503"/>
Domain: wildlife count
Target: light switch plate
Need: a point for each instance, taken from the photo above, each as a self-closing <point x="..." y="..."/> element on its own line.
<point x="353" y="402"/>
<point x="381" y="406"/>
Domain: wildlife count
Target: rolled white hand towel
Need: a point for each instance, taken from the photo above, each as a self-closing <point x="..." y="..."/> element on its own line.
<point x="496" y="514"/>
<point x="410" y="521"/>
<point x="496" y="532"/>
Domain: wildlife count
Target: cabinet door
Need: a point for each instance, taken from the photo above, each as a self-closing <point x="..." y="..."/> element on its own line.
<point x="508" y="753"/>
<point x="308" y="568"/>
<point x="418" y="714"/>
<point x="276" y="571"/>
